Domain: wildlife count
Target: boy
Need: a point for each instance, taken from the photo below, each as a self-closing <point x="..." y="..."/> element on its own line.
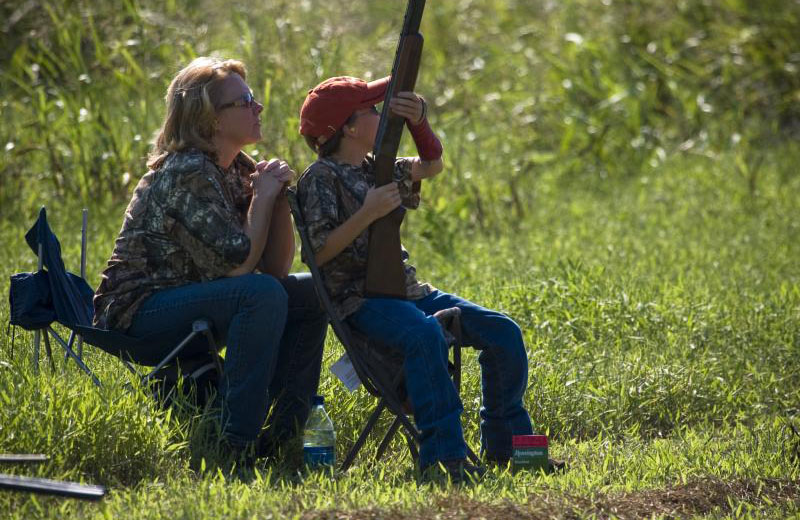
<point x="339" y="200"/>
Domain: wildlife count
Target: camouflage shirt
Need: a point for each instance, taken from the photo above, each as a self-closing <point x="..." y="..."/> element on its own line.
<point x="329" y="193"/>
<point x="182" y="225"/>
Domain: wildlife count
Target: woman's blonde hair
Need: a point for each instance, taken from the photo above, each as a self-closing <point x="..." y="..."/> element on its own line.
<point x="192" y="98"/>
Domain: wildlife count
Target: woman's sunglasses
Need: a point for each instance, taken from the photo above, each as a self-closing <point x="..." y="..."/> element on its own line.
<point x="246" y="100"/>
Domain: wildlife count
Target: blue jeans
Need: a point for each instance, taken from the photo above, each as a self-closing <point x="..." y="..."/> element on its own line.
<point x="274" y="331"/>
<point x="410" y="327"/>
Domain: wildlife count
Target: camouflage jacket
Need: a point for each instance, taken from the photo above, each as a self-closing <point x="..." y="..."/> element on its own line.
<point x="182" y="225"/>
<point x="328" y="194"/>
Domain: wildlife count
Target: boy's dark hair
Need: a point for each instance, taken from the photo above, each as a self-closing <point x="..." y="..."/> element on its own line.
<point x="331" y="146"/>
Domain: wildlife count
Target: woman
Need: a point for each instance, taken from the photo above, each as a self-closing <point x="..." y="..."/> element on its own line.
<point x="201" y="220"/>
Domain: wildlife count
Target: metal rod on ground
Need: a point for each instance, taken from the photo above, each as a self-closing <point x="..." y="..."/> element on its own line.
<point x="43" y="485"/>
<point x="37" y="334"/>
<point x="84" y="225"/>
<point x="51" y="487"/>
<point x="19" y="458"/>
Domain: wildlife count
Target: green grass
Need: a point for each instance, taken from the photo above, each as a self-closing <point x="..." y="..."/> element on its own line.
<point x="662" y="329"/>
<point x="647" y="247"/>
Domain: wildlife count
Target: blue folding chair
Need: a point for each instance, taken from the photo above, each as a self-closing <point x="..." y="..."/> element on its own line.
<point x="52" y="294"/>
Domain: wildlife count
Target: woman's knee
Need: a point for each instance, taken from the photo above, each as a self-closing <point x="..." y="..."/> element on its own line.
<point x="303" y="294"/>
<point x="262" y="290"/>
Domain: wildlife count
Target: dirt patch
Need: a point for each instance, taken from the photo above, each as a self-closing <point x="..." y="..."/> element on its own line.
<point x="695" y="498"/>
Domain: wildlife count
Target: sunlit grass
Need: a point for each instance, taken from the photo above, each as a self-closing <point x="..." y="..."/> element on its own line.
<point x="661" y="361"/>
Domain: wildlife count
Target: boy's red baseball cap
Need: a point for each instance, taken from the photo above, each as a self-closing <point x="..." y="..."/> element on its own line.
<point x="329" y="104"/>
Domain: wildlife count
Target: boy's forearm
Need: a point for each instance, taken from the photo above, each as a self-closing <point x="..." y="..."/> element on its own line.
<point x="343" y="236"/>
<point x="424" y="169"/>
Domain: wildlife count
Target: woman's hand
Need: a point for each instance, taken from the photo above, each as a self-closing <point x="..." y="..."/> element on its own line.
<point x="408" y="105"/>
<point x="381" y="200"/>
<point x="271" y="177"/>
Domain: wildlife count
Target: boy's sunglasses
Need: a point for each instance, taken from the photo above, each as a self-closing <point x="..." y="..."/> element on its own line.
<point x="245" y="100"/>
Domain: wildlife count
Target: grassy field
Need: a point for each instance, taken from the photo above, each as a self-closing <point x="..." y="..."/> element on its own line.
<point x="621" y="179"/>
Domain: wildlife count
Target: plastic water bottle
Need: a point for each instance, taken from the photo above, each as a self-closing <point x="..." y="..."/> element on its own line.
<point x="319" y="437"/>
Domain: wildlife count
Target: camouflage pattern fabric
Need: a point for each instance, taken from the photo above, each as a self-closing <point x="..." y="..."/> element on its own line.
<point x="182" y="225"/>
<point x="329" y="193"/>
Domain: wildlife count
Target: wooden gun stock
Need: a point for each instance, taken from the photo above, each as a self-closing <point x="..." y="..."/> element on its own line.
<point x="385" y="271"/>
<point x="386" y="276"/>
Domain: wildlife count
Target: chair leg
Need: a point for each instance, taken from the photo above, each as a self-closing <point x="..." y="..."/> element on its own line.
<point x="457" y="367"/>
<point x="351" y="455"/>
<point x="37" y="339"/>
<point x="474" y="458"/>
<point x="170" y="356"/>
<point x="387" y="438"/>
<point x="13" y="337"/>
<point x="49" y="352"/>
<point x="79" y="349"/>
<point x="127" y="364"/>
<point x="412" y="446"/>
<point x="70" y="342"/>
<point x="74" y="356"/>
<point x="202" y="326"/>
<point x="410" y="428"/>
<point x="37" y="335"/>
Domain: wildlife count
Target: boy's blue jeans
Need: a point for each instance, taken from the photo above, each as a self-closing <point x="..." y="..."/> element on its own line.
<point x="274" y="331"/>
<point x="410" y="327"/>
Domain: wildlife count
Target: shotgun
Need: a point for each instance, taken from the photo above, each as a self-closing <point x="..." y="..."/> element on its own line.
<point x="386" y="276"/>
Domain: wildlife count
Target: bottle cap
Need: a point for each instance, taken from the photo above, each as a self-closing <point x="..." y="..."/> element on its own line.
<point x="317" y="399"/>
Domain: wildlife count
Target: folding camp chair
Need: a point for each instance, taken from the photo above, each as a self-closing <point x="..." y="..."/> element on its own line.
<point x="52" y="294"/>
<point x="379" y="369"/>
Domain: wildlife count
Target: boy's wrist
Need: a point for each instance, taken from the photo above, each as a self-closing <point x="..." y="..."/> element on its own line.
<point x="365" y="216"/>
<point x="424" y="115"/>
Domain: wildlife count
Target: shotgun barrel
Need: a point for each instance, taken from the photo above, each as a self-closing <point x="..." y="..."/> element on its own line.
<point x="385" y="270"/>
